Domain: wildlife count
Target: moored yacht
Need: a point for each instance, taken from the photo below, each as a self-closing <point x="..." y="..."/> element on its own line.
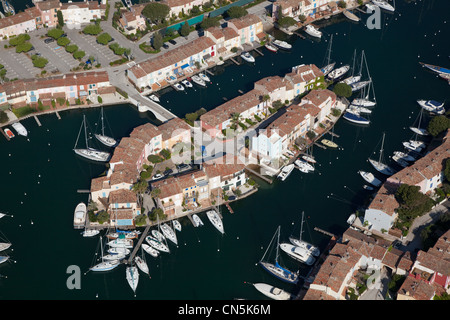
<point x="270" y="47"/>
<point x="383" y="5"/>
<point x="247" y="57"/>
<point x="370" y="178"/>
<point x="79" y="216"/>
<point x="312" y="31"/>
<point x="20" y="128"/>
<point x="272" y="292"/>
<point x="285" y="172"/>
<point x="432" y="106"/>
<point x="214" y="217"/>
<point x="282" y="44"/>
<point x="196" y="79"/>
<point x="339" y="72"/>
<point x="298" y="253"/>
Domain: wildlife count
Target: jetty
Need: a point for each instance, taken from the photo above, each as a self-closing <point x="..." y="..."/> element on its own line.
<point x="57" y="114"/>
<point x="324" y="232"/>
<point x="37" y="120"/>
<point x="258" y="175"/>
<point x="138" y="244"/>
<point x="237" y="63"/>
<point x="259" y="52"/>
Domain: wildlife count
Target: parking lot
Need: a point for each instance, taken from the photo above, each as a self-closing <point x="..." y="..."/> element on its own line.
<point x="58" y="58"/>
<point x="88" y="44"/>
<point x="18" y="65"/>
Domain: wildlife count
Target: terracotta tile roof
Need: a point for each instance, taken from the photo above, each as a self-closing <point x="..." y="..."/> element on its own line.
<point x="317" y="97"/>
<point x="21" y="17"/>
<point x="122" y="196"/>
<point x="384" y="201"/>
<point x="177" y="3"/>
<point x="239" y="105"/>
<point x="223" y="166"/>
<point x="176" y="184"/>
<point x="173" y="127"/>
<point x="245" y="21"/>
<point x="171" y="57"/>
<point x="145" y="132"/>
<point x="317" y="295"/>
<point x="434" y="263"/>
<point x="48" y="5"/>
<point x="124" y="173"/>
<point x="122" y="214"/>
<point x="100" y="183"/>
<point x="441" y="249"/>
<point x="417" y="289"/>
<point x="270" y="84"/>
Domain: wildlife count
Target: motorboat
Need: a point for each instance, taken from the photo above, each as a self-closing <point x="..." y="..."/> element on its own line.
<point x="351" y="16"/>
<point x="204" y="77"/>
<point x="370" y="7"/>
<point x="437" y="69"/>
<point x="197" y="221"/>
<point x="187" y="83"/>
<point x="90" y="233"/>
<point x="270" y="47"/>
<point x="154" y="98"/>
<point x="350" y="80"/>
<point x="282" y="44"/>
<point x="20" y="129"/>
<point x="9" y="133"/>
<point x="132" y="276"/>
<point x="370" y="178"/>
<point x="285" y="172"/>
<point x="303" y="166"/>
<point x="176" y="225"/>
<point x="400" y="161"/>
<point x="126" y="234"/>
<point x="312" y="31"/>
<point x="169" y="233"/>
<point x="79" y="216"/>
<point x="354" y="117"/>
<point x="121" y="243"/>
<point x="119" y="250"/>
<point x="329" y="143"/>
<point x="150" y="250"/>
<point x="339" y="72"/>
<point x="272" y="292"/>
<point x="327" y="69"/>
<point x="432" y="106"/>
<point x="363" y="102"/>
<point x="359" y="85"/>
<point x="247" y="57"/>
<point x="298" y="253"/>
<point x="196" y="79"/>
<point x="414" y="145"/>
<point x="178" y="87"/>
<point x="215" y="219"/>
<point x="404" y="156"/>
<point x="351" y="219"/>
<point x="158" y="245"/>
<point x="383" y="5"/>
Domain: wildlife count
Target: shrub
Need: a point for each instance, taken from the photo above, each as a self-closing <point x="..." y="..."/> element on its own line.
<point x="92" y="29"/>
<point x="79" y="54"/>
<point x="39" y="62"/>
<point x="104" y="38"/>
<point x="236" y="12"/>
<point x="145" y="175"/>
<point x="20" y="39"/>
<point x="63" y="41"/>
<point x="55" y="33"/>
<point x="71" y="48"/>
<point x="99" y="99"/>
<point x="342" y="90"/>
<point x="24" y="47"/>
<point x="165" y="154"/>
<point x="153" y="158"/>
<point x="438" y="124"/>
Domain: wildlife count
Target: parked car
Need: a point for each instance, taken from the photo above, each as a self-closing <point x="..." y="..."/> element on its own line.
<point x="172" y="41"/>
<point x="165" y="46"/>
<point x="157" y="176"/>
<point x="48" y="40"/>
<point x="168" y="171"/>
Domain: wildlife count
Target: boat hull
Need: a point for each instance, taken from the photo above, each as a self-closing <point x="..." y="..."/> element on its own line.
<point x="94" y="155"/>
<point x="272" y="292"/>
<point x="279" y="272"/>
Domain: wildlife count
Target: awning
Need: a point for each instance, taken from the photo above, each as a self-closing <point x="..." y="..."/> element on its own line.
<point x="206" y="56"/>
<point x="184" y="66"/>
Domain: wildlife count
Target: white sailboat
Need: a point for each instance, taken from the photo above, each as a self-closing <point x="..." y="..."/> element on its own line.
<point x="379" y="165"/>
<point x="329" y="65"/>
<point x="132" y="276"/>
<point x="370" y="178"/>
<point x="141" y="263"/>
<point x="272" y="292"/>
<point x="3" y="259"/>
<point x="418" y="129"/>
<point x="157" y="235"/>
<point x="121" y="243"/>
<point x="104" y="265"/>
<point x="150" y="250"/>
<point x="275" y="268"/>
<point x="4" y="246"/>
<point x="214" y="218"/>
<point x="204" y="77"/>
<point x="88" y="152"/>
<point x="303" y="244"/>
<point x="169" y="233"/>
<point x="312" y="31"/>
<point x="106" y="140"/>
<point x="158" y="245"/>
<point x="176" y="225"/>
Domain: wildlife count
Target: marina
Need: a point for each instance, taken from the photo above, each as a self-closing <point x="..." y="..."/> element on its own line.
<point x="203" y="246"/>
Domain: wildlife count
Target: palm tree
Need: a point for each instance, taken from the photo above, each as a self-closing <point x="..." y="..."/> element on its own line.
<point x="235" y="119"/>
<point x="139" y="188"/>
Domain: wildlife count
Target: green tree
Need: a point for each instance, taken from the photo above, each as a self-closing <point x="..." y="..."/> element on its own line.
<point x="60" y="18"/>
<point x="63" y="41"/>
<point x="3" y="117"/>
<point x="55" y="33"/>
<point x="185" y="29"/>
<point x="71" y="48"/>
<point x="24" y="47"/>
<point x="165" y="154"/>
<point x="210" y="22"/>
<point x="342" y="4"/>
<point x="438" y="124"/>
<point x="79" y="54"/>
<point x="140" y="220"/>
<point x="157" y="41"/>
<point x="104" y="38"/>
<point x="139" y="188"/>
<point x="102" y="217"/>
<point x="342" y="90"/>
<point x="20" y="39"/>
<point x="92" y="29"/>
<point x="156" y="12"/>
<point x="155" y="193"/>
<point x="39" y="62"/>
<point x="156" y="212"/>
<point x="236" y="12"/>
<point x="447" y="170"/>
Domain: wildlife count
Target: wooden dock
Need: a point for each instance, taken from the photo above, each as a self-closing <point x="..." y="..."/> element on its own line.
<point x="270" y="181"/>
<point x="57" y="114"/>
<point x="138" y="244"/>
<point x="83" y="191"/>
<point x="37" y="120"/>
<point x="232" y="59"/>
<point x="319" y="145"/>
<point x="229" y="208"/>
<point x="299" y="35"/>
<point x="324" y="232"/>
<point x="259" y="52"/>
<point x="241" y="92"/>
<point x="206" y="70"/>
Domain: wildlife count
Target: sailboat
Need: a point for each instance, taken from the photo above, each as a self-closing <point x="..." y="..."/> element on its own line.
<point x="303" y="244"/>
<point x="308" y="156"/>
<point x="380" y="165"/>
<point x="214" y="218"/>
<point x="330" y="143"/>
<point x="141" y="263"/>
<point x="418" y="129"/>
<point x="105" y="265"/>
<point x="176" y="225"/>
<point x="366" y="88"/>
<point x="169" y="233"/>
<point x="197" y="221"/>
<point x="370" y="178"/>
<point x="329" y="65"/>
<point x="272" y="292"/>
<point x="275" y="268"/>
<point x="106" y="140"/>
<point x="132" y="275"/>
<point x="150" y="250"/>
<point x="88" y="152"/>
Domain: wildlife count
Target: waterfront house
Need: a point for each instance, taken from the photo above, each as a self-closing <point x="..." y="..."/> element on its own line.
<point x="156" y="70"/>
<point x="173" y="132"/>
<point x="22" y="22"/>
<point x="224" y="174"/>
<point x="232" y="112"/>
<point x="289" y="8"/>
<point x="48" y="10"/>
<point x="150" y="136"/>
<point x="129" y="151"/>
<point x="122" y="207"/>
<point x="225" y="38"/>
<point x="381" y="214"/>
<point x="249" y="28"/>
<point x="182" y="6"/>
<point x="304" y="78"/>
<point x="82" y="12"/>
<point x="323" y="99"/>
<point x="274" y="87"/>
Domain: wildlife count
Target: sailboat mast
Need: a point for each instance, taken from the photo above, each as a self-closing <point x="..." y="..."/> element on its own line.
<point x="381" y="150"/>
<point x="301" y="226"/>
<point x="329" y="51"/>
<point x="85" y="131"/>
<point x="103" y="126"/>
<point x="278" y="241"/>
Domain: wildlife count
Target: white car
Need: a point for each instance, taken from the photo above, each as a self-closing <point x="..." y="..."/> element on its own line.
<point x="157" y="176"/>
